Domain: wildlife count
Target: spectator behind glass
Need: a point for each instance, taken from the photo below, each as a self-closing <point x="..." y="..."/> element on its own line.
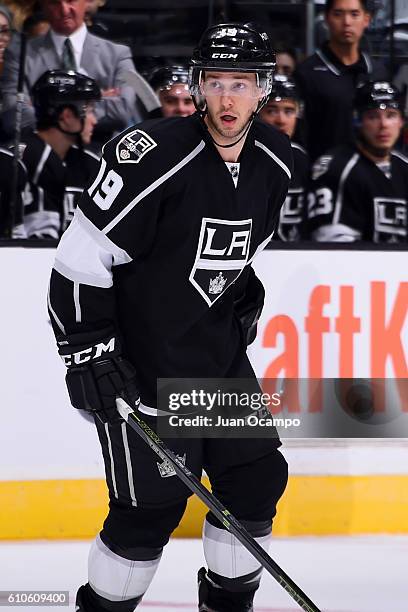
<point x="171" y="85"/>
<point x="328" y="79"/>
<point x="69" y="45"/>
<point x="58" y="165"/>
<point x="359" y="191"/>
<point x="282" y="110"/>
<point x="36" y="25"/>
<point x="91" y="9"/>
<point x="5" y="32"/>
<point x="286" y="61"/>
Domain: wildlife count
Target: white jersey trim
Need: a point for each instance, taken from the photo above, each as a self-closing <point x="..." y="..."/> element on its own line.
<point x="274" y="157"/>
<point x="85" y="255"/>
<point x="153" y="186"/>
<point x="128" y="465"/>
<point x="54" y="314"/>
<point x="45" y="155"/>
<point x="325" y="61"/>
<point x="336" y="233"/>
<point x="78" y="314"/>
<point x="295" y="145"/>
<point x="400" y="156"/>
<point x="112" y="463"/>
<point x="339" y="200"/>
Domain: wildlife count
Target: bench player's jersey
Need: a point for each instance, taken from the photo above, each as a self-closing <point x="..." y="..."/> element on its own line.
<point x="81" y="165"/>
<point x="6" y="185"/>
<point x="159" y="240"/>
<point x="292" y="213"/>
<point x="352" y="198"/>
<point x="55" y="186"/>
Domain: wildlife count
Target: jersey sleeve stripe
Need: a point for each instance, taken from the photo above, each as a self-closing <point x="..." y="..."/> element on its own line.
<point x="81" y="277"/>
<point x="339" y="200"/>
<point x="154" y="186"/>
<point x="53" y="313"/>
<point x="274" y="157"/>
<point x="85" y="255"/>
<point x="78" y="314"/>
<point x="120" y="256"/>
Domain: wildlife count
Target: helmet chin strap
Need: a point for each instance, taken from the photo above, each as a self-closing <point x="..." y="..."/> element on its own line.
<point x="77" y="134"/>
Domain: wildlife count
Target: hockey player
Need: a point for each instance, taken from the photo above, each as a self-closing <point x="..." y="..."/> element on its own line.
<point x="360" y="191"/>
<point x="6" y="172"/>
<point x="282" y="110"/>
<point x="171" y="85"/>
<point x="151" y="268"/>
<point x="58" y="165"/>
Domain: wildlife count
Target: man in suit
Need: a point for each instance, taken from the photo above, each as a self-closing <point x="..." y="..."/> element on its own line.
<point x="126" y="96"/>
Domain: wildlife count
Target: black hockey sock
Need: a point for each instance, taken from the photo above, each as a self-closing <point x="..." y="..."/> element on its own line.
<point x="89" y="601"/>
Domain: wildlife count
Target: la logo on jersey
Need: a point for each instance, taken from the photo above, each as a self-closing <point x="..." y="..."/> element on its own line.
<point x="134" y="146"/>
<point x="222" y="253"/>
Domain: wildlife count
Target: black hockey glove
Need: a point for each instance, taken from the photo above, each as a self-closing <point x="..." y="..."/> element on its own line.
<point x="249" y="306"/>
<point x="98" y="374"/>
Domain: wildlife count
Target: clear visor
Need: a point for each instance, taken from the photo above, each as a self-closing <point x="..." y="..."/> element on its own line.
<point x="243" y="85"/>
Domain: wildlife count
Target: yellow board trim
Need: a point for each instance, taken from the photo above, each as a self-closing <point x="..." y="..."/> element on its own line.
<point x="311" y="505"/>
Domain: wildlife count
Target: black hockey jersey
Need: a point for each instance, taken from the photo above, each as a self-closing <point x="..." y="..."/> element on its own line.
<point x="292" y="213"/>
<point x="159" y="240"/>
<point x="6" y="173"/>
<point x="55" y="186"/>
<point x="352" y="198"/>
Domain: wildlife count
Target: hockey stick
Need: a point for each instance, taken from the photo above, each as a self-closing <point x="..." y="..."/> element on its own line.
<point x="17" y="133"/>
<point x="223" y="515"/>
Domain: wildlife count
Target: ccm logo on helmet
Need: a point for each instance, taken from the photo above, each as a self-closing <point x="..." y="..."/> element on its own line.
<point x="224" y="55"/>
<point x="93" y="352"/>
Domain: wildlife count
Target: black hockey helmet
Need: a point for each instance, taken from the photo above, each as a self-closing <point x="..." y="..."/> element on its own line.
<point x="232" y="47"/>
<point x="166" y="76"/>
<point x="284" y="88"/>
<point x="57" y="89"/>
<point x="377" y="94"/>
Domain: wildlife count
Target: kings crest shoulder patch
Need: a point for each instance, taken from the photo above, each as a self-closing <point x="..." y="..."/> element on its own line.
<point x="134" y="146"/>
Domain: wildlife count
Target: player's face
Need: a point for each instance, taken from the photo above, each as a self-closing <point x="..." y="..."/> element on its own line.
<point x="285" y="64"/>
<point x="381" y="127"/>
<point x="176" y="101"/>
<point x="89" y="125"/>
<point x="347" y="21"/>
<point x="282" y="114"/>
<point x="232" y="98"/>
<point x="65" y="16"/>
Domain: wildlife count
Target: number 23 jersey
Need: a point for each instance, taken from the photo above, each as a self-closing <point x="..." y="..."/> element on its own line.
<point x="352" y="198"/>
<point x="159" y="241"/>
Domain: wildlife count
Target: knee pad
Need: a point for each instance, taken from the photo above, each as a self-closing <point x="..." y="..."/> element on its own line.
<point x="133" y="533"/>
<point x="251" y="491"/>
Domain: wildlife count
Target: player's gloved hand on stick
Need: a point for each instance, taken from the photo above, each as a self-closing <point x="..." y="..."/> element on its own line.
<point x="97" y="373"/>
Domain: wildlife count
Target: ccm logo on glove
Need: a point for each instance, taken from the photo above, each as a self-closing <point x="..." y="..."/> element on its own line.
<point x="87" y="354"/>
